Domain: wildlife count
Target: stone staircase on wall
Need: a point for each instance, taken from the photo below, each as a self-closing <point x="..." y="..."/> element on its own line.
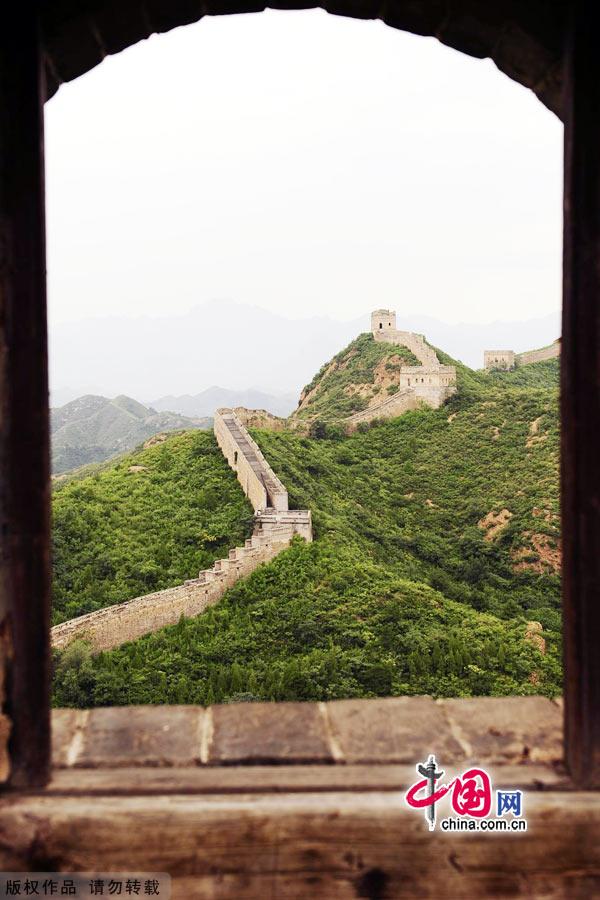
<point x="414" y="342"/>
<point x="273" y="531"/>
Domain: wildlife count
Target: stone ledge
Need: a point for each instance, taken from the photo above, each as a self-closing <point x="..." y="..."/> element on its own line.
<point x="520" y="731"/>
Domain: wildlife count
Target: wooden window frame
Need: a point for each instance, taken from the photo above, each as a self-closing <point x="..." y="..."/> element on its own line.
<point x="24" y="428"/>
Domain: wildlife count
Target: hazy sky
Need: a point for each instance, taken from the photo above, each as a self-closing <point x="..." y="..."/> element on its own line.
<point x="305" y="163"/>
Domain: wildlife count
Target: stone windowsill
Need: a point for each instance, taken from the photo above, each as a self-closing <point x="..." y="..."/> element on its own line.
<point x="506" y="731"/>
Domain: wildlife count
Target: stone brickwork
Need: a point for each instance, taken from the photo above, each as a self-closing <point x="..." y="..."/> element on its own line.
<point x="523" y="732"/>
<point x="395" y="405"/>
<point x="274" y="527"/>
<point x="423" y="378"/>
<point x="383" y="328"/>
<point x="508" y="359"/>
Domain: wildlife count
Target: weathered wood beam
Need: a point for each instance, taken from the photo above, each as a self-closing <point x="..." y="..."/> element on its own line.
<point x="146" y="781"/>
<point x="580" y="403"/>
<point x="345" y="845"/>
<point x="24" y="453"/>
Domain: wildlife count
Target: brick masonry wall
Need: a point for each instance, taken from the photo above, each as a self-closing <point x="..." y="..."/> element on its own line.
<point x="430" y="383"/>
<point x="395" y="405"/>
<point x="498" y="359"/>
<point x="516" y="731"/>
<point x="533" y="356"/>
<point x="415" y="343"/>
<point x="115" y="625"/>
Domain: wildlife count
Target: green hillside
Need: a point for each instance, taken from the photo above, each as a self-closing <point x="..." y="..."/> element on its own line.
<point x="365" y="372"/>
<point x="149" y="521"/>
<point x="436" y="541"/>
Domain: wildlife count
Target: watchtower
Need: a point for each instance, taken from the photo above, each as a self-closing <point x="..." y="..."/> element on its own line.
<point x="499" y="359"/>
<point x="383" y="320"/>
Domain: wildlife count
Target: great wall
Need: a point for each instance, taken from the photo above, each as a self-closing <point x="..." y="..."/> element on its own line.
<point x="508" y="359"/>
<point x="274" y="527"/>
<point x="430" y="383"/>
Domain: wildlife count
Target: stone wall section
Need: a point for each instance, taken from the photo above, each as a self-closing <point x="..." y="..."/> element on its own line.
<point x="499" y="359"/>
<point x="415" y="342"/>
<point x="421" y="378"/>
<point x="533" y="356"/>
<point x="274" y="528"/>
<point x="115" y="625"/>
<point x="508" y="359"/>
<point x="395" y="405"/>
<point x="258" y="480"/>
<point x="431" y="383"/>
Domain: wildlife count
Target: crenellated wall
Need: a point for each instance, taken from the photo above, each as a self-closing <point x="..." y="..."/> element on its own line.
<point x="423" y="377"/>
<point x="431" y="383"/>
<point x="115" y="625"/>
<point x="274" y="527"/>
<point x="415" y="342"/>
<point x="498" y="359"/>
<point x="508" y="359"/>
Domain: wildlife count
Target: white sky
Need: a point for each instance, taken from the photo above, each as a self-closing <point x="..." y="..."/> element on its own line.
<point x="305" y="163"/>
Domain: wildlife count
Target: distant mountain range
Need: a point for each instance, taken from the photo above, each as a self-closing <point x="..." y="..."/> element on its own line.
<point x="93" y="428"/>
<point x="243" y="347"/>
<point x="206" y="402"/>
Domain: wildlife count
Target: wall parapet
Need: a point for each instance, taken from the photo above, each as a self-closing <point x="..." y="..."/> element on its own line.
<point x="398" y="403"/>
<point x="415" y="342"/>
<point x="115" y="625"/>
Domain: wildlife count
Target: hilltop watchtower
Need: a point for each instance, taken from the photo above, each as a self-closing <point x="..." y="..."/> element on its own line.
<point x="383" y="320"/>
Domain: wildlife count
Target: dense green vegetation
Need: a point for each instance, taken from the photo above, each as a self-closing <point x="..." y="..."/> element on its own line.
<point x="146" y="522"/>
<point x="353" y="377"/>
<point x="400" y="592"/>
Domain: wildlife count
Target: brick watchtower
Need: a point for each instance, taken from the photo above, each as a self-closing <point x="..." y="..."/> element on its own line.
<point x="383" y="320"/>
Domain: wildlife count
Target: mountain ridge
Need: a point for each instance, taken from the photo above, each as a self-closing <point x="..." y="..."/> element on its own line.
<point x="240" y="346"/>
<point x="92" y="428"/>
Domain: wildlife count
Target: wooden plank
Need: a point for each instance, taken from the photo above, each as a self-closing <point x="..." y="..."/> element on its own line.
<point x="298" y="845"/>
<point x="24" y="446"/>
<point x="271" y="779"/>
<point x="580" y="404"/>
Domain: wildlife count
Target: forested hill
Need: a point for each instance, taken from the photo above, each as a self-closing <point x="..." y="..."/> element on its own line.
<point x="364" y="373"/>
<point x="147" y="521"/>
<point x="437" y="542"/>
